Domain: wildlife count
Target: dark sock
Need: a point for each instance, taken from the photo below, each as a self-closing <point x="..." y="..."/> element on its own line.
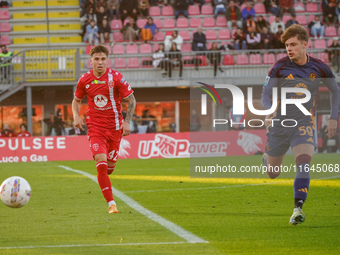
<point x="298" y="202"/>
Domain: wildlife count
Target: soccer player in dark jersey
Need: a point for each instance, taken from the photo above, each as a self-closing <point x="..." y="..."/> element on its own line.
<point x="297" y="70"/>
<point x="104" y="88"/>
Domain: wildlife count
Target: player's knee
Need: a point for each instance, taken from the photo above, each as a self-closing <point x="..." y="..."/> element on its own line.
<point x="303" y="159"/>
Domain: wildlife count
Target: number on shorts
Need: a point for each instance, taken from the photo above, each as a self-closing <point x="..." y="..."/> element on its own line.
<point x="112" y="154"/>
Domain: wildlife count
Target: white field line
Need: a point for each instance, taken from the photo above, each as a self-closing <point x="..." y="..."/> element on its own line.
<point x="86" y="245"/>
<point x="177" y="230"/>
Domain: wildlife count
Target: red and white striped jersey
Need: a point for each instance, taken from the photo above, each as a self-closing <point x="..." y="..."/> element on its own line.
<point x="104" y="95"/>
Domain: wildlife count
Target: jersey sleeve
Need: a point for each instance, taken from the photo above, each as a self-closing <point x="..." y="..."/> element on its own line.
<point x="268" y="85"/>
<point x="331" y="84"/>
<point x="123" y="86"/>
<point x="80" y="91"/>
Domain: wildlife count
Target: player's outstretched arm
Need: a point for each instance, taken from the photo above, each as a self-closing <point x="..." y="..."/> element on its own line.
<point x="129" y="113"/>
<point x="77" y="121"/>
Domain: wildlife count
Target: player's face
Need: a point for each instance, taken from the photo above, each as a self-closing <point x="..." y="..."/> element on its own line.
<point x="296" y="49"/>
<point x="99" y="63"/>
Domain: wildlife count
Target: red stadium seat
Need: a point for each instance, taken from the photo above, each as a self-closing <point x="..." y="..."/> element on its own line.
<point x="203" y="60"/>
<point x="259" y="8"/>
<point x="141" y="23"/>
<point x="221" y="21"/>
<point x="5" y="27"/>
<point x="194" y="10"/>
<point x="167" y="11"/>
<point x="158" y="37"/>
<point x="208" y="1"/>
<point x="299" y="8"/>
<point x="4" y="14"/>
<point x="195" y="22"/>
<point x="209" y="45"/>
<point x="168" y="23"/>
<point x="302" y="20"/>
<point x="154" y="11"/>
<point x="268" y="58"/>
<point x="208" y="22"/>
<point x="323" y="56"/>
<point x="155" y="47"/>
<point x="118" y="37"/>
<point x="280" y="55"/>
<point x="186" y="47"/>
<point x="127" y="20"/>
<point x="116" y="24"/>
<point x="271" y="19"/>
<point x="88" y="48"/>
<point x="5" y="40"/>
<point x="207" y="9"/>
<point x="285" y="18"/>
<point x="228" y="60"/>
<point x="158" y="23"/>
<point x="329" y="43"/>
<point x="109" y="63"/>
<point x="132" y="49"/>
<point x="310" y="44"/>
<point x="118" y="49"/>
<point x="108" y="46"/>
<point x="145" y="48"/>
<point x="120" y="63"/>
<point x="133" y="63"/>
<point x="320" y="44"/>
<point x="330" y="31"/>
<point x="224" y="34"/>
<point x="312" y="7"/>
<point x="242" y="59"/>
<point x="311" y="18"/>
<point x="182" y="23"/>
<point x="185" y="34"/>
<point x="211" y="35"/>
<point x="255" y="59"/>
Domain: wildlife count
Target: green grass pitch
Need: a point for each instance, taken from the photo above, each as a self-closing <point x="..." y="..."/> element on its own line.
<point x="68" y="215"/>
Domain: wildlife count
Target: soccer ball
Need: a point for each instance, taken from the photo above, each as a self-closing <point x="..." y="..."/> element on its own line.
<point x="15" y="192"/>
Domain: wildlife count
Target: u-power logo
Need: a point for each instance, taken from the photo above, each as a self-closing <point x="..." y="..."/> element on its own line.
<point x="238" y="104"/>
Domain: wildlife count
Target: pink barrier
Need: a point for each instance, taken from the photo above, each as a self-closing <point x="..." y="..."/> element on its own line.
<point x="143" y="146"/>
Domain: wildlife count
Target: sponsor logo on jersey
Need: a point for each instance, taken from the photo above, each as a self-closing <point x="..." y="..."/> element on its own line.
<point x="100" y="100"/>
<point x="302" y="86"/>
<point x="122" y="80"/>
<point x="290" y="77"/>
<point x="312" y="76"/>
<point x="98" y="82"/>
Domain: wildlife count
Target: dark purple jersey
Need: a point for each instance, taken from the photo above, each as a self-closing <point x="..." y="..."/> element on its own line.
<point x="287" y="74"/>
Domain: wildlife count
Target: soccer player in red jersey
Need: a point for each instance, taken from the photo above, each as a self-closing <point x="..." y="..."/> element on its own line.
<point x="104" y="88"/>
<point x="23" y="131"/>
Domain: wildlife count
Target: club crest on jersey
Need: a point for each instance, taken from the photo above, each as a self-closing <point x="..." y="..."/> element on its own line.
<point x="312" y="76"/>
<point x="302" y="86"/>
<point x="100" y="100"/>
<point x="111" y="84"/>
<point x="95" y="146"/>
<point x="87" y="86"/>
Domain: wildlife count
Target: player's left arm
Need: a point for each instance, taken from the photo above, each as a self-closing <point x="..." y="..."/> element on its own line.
<point x="129" y="114"/>
<point x="332" y="125"/>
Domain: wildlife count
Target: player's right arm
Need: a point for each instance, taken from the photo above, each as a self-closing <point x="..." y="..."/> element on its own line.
<point x="77" y="120"/>
<point x="76" y="103"/>
<point x="267" y="92"/>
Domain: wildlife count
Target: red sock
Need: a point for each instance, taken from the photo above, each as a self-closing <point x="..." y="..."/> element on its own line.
<point x="110" y="169"/>
<point x="104" y="180"/>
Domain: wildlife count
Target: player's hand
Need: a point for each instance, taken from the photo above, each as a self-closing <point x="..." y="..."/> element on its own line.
<point x="126" y="128"/>
<point x="331" y="128"/>
<point x="78" y="122"/>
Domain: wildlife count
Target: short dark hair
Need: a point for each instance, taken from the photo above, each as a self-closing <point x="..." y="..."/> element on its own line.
<point x="295" y="30"/>
<point x="23" y="125"/>
<point x="99" y="49"/>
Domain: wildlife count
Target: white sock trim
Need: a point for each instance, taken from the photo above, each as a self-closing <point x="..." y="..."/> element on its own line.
<point x="111" y="203"/>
